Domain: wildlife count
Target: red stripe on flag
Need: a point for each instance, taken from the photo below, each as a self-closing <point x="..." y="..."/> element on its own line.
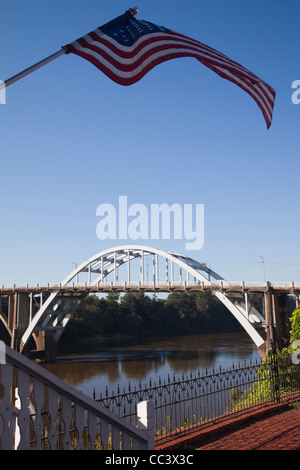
<point x="127" y="65"/>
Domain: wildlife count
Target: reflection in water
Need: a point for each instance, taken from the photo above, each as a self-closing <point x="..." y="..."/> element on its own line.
<point x="112" y="363"/>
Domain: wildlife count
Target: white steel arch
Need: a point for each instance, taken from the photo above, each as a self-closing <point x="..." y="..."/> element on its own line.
<point x="54" y="315"/>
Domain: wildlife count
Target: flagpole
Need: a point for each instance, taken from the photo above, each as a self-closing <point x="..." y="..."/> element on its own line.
<point x="45" y="61"/>
<point x="31" y="69"/>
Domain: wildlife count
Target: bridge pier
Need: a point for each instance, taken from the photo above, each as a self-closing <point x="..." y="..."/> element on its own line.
<point x="46" y="346"/>
<point x="18" y="317"/>
<point x="278" y="326"/>
<point x="269" y="343"/>
<point x="282" y="320"/>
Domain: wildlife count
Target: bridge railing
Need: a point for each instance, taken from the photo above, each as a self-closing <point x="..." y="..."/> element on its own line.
<point x="125" y="284"/>
<point x="40" y="411"/>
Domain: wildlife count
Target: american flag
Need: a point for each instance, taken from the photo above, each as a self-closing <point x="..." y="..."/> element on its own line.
<point x="125" y="49"/>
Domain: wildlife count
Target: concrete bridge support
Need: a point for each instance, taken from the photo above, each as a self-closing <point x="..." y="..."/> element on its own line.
<point x="18" y="317"/>
<point x="278" y="326"/>
<point x="46" y="346"/>
<point x="282" y="320"/>
<point x="16" y="313"/>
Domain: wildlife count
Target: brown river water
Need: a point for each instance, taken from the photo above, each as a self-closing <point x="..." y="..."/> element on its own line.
<point x="106" y="364"/>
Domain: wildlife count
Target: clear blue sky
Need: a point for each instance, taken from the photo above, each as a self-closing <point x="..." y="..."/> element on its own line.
<point x="72" y="139"/>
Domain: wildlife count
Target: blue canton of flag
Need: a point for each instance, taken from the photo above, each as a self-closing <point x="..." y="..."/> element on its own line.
<point x="129" y="32"/>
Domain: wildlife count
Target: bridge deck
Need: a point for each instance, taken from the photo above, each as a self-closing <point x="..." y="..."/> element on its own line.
<point x="285" y="288"/>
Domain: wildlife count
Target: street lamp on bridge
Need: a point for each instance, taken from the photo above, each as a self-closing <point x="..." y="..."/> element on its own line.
<point x="263" y="263"/>
<point x="77" y="277"/>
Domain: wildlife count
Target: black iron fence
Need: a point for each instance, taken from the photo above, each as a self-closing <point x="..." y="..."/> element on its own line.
<point x="190" y="402"/>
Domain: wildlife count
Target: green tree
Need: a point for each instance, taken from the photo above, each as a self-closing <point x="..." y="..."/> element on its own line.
<point x="135" y="313"/>
<point x="295" y="324"/>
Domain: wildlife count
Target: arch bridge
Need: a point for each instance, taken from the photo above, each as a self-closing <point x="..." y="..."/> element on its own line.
<point x="36" y="316"/>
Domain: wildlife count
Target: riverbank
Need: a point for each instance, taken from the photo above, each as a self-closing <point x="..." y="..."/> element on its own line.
<point x="138" y="315"/>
